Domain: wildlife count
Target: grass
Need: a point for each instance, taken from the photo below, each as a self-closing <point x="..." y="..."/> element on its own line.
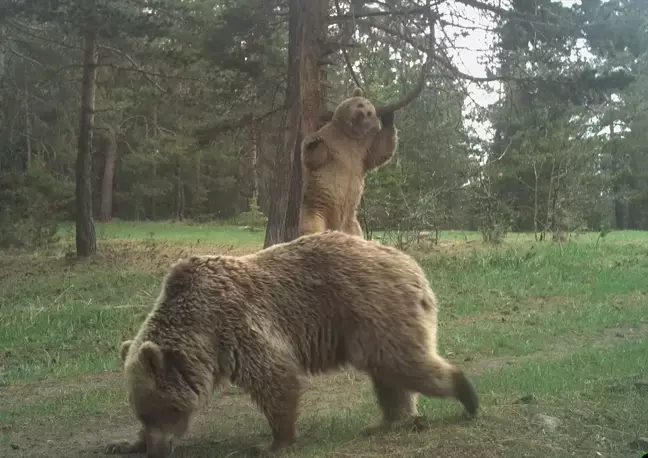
<point x="563" y="325"/>
<point x="175" y="232"/>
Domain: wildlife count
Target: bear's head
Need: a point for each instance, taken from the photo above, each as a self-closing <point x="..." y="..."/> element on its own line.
<point x="356" y="116"/>
<point x="160" y="394"/>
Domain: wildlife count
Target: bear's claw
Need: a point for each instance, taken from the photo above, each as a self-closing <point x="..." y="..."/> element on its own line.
<point x="125" y="447"/>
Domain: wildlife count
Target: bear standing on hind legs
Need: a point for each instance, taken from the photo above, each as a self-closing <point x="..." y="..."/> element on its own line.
<point x="335" y="160"/>
<point x="308" y="306"/>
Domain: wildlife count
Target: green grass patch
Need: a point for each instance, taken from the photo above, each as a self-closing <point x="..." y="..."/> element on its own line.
<point x="67" y="409"/>
<point x="489" y="279"/>
<point x="174" y="232"/>
<point x="566" y="323"/>
<point x="71" y="325"/>
<point x="584" y="390"/>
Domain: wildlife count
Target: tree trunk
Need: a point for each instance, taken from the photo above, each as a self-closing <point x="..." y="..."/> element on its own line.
<point x="151" y="214"/>
<point x="295" y="191"/>
<point x="313" y="33"/>
<point x="307" y="29"/>
<point x="535" y="201"/>
<point x="107" y="182"/>
<point x="283" y="182"/>
<point x="312" y="37"/>
<point x="179" y="192"/>
<point x="246" y="170"/>
<point x="197" y="191"/>
<point x="86" y="242"/>
<point x="261" y="169"/>
<point x="28" y="132"/>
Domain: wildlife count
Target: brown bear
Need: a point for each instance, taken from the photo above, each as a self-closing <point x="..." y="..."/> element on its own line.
<point x="335" y="160"/>
<point x="308" y="306"/>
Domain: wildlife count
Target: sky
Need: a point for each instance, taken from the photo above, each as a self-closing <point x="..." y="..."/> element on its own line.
<point x="470" y="50"/>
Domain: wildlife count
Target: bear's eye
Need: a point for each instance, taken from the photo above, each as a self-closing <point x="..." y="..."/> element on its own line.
<point x="369" y="114"/>
<point x="360" y="105"/>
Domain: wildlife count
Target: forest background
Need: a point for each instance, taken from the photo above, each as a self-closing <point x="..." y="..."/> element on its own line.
<point x="194" y="109"/>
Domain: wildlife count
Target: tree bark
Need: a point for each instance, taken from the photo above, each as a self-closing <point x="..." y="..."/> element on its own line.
<point x="307" y="29"/>
<point x="535" y="201"/>
<point x="107" y="182"/>
<point x="86" y="242"/>
<point x="197" y="191"/>
<point x="313" y="34"/>
<point x="246" y="170"/>
<point x="284" y="179"/>
<point x="295" y="191"/>
<point x="28" y="131"/>
<point x="261" y="169"/>
<point x="179" y="192"/>
<point x="312" y="37"/>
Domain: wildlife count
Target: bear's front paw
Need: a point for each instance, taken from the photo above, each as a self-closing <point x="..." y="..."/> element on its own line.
<point x="262" y="451"/>
<point x="125" y="447"/>
<point x="414" y="423"/>
<point x="275" y="449"/>
<point x="380" y="428"/>
<point x="313" y="141"/>
<point x="387" y="119"/>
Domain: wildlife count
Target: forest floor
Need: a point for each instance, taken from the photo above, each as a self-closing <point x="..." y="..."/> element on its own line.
<point x="554" y="337"/>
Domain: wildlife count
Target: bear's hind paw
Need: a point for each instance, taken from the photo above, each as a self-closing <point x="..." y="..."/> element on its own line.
<point x="413" y="423"/>
<point x="272" y="450"/>
<point x="125" y="447"/>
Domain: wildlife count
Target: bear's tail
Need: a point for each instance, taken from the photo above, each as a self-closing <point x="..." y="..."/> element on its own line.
<point x="437" y="377"/>
<point x="445" y="379"/>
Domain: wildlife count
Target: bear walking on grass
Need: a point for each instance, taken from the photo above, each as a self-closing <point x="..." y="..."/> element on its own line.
<point x="305" y="307"/>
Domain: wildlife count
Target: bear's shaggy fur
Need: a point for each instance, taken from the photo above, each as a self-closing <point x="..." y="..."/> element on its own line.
<point x="335" y="160"/>
<point x="305" y="307"/>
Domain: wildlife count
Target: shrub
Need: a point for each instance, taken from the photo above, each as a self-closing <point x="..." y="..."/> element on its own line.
<point x="32" y="203"/>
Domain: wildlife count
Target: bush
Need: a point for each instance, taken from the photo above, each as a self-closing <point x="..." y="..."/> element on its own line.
<point x="32" y="204"/>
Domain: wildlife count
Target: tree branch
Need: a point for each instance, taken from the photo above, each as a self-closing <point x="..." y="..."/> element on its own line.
<point x="395" y="33"/>
<point x="445" y="62"/>
<point x="205" y="134"/>
<point x="413" y="93"/>
<point x="22" y="28"/>
<point x="397" y="105"/>
<point x="348" y="17"/>
<point x="448" y="65"/>
<point x="485" y="7"/>
<point x="148" y="72"/>
<point x="22" y="56"/>
<point x="135" y="65"/>
<point x="347" y="61"/>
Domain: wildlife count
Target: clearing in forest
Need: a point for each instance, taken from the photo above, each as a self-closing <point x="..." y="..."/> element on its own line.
<point x="555" y="338"/>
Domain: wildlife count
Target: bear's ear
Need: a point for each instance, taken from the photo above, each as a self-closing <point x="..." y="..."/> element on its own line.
<point x="150" y="356"/>
<point x="123" y="350"/>
<point x="357" y="92"/>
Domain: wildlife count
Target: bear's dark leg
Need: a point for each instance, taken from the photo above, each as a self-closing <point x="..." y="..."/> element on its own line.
<point x="398" y="407"/>
<point x="278" y="398"/>
<point x="395" y="403"/>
